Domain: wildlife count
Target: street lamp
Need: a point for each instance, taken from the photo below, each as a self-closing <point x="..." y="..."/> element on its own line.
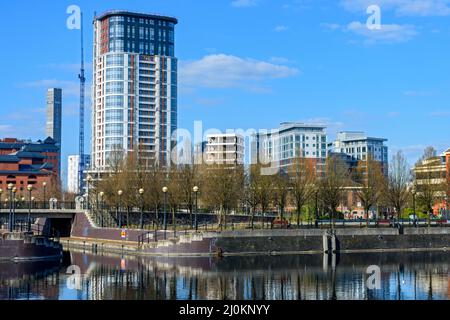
<point x="88" y="179"/>
<point x="10" y="224"/>
<point x="30" y="189"/>
<point x="44" y="184"/>
<point x="196" y="189"/>
<point x="414" y="205"/>
<point x="446" y="206"/>
<point x="165" y="190"/>
<point x="119" y="193"/>
<point x="317" y="210"/>
<point x="13" y="213"/>
<point x="1" y="204"/>
<point x="101" y="194"/>
<point x="141" y="197"/>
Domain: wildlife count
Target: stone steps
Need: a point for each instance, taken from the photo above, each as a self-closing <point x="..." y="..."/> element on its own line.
<point x="182" y="239"/>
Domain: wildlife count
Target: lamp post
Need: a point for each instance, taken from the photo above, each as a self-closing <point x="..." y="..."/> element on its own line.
<point x="1" y="205"/>
<point x="141" y="198"/>
<point x="414" y="205"/>
<point x="317" y="210"/>
<point x="89" y="180"/>
<point x="165" y="190"/>
<point x="119" y="213"/>
<point x="30" y="190"/>
<point x="101" y="194"/>
<point x="45" y="189"/>
<point x="10" y="217"/>
<point x="446" y="207"/>
<point x="13" y="213"/>
<point x="196" y="189"/>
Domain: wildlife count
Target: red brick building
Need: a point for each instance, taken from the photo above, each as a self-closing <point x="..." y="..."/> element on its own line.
<point x="24" y="163"/>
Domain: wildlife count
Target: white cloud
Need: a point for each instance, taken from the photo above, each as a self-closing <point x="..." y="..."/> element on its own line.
<point x="403" y="7"/>
<point x="330" y="26"/>
<point x="244" y="3"/>
<point x="439" y="113"/>
<point x="281" y="28"/>
<point x="228" y="71"/>
<point x="4" y="128"/>
<point x="67" y="67"/>
<point x="209" y="102"/>
<point x="70" y="88"/>
<point x="389" y="33"/>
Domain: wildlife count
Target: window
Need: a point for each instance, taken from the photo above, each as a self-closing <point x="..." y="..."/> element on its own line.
<point x="114" y="60"/>
<point x="114" y="102"/>
<point x="114" y="74"/>
<point x="114" y="88"/>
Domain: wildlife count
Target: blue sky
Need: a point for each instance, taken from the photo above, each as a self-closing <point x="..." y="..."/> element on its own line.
<point x="253" y="64"/>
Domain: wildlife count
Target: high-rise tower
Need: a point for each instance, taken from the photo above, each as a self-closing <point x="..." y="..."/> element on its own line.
<point x="54" y="119"/>
<point x="134" y="87"/>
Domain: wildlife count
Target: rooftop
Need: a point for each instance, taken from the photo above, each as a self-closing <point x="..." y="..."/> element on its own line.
<point x="356" y="136"/>
<point x="111" y="13"/>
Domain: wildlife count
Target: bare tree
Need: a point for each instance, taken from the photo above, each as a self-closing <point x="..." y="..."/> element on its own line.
<point x="369" y="181"/>
<point x="251" y="190"/>
<point x="428" y="153"/>
<point x="188" y="179"/>
<point x="302" y="181"/>
<point x="429" y="181"/>
<point x="223" y="186"/>
<point x="280" y="191"/>
<point x="332" y="184"/>
<point x="264" y="188"/>
<point x="396" y="190"/>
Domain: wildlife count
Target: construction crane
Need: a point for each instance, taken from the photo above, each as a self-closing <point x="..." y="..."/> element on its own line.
<point x="82" y="78"/>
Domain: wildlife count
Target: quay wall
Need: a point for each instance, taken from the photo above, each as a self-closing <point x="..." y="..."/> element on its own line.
<point x="276" y="241"/>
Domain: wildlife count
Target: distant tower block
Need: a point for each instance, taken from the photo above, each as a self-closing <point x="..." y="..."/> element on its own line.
<point x="54" y="119"/>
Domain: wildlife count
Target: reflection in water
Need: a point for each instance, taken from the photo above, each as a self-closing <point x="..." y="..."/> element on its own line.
<point x="29" y="280"/>
<point x="308" y="277"/>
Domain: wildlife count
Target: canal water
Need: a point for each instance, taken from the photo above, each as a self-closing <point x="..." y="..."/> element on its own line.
<point x="403" y="276"/>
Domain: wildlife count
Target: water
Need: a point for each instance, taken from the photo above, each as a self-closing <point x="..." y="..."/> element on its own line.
<point x="419" y="276"/>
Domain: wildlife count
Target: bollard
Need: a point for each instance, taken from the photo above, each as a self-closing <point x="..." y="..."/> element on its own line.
<point x="325" y="262"/>
<point x="325" y="243"/>
<point x="333" y="244"/>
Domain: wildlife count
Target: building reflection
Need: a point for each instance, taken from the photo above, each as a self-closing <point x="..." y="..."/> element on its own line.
<point x="419" y="276"/>
<point x="29" y="280"/>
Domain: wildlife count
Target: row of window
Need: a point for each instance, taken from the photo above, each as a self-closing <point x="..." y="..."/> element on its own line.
<point x="145" y="21"/>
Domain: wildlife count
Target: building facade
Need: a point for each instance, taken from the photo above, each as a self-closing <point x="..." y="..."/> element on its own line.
<point x="134" y="86"/>
<point x="73" y="166"/>
<point x="354" y="147"/>
<point x="24" y="163"/>
<point x="434" y="175"/>
<point x="54" y="118"/>
<point x="281" y="146"/>
<point x="225" y="149"/>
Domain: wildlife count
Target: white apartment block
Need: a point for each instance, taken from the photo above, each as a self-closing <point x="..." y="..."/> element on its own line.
<point x="292" y="140"/>
<point x="357" y="146"/>
<point x="73" y="172"/>
<point x="224" y="149"/>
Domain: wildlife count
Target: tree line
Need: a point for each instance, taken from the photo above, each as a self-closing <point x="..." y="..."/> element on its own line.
<point x="302" y="190"/>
